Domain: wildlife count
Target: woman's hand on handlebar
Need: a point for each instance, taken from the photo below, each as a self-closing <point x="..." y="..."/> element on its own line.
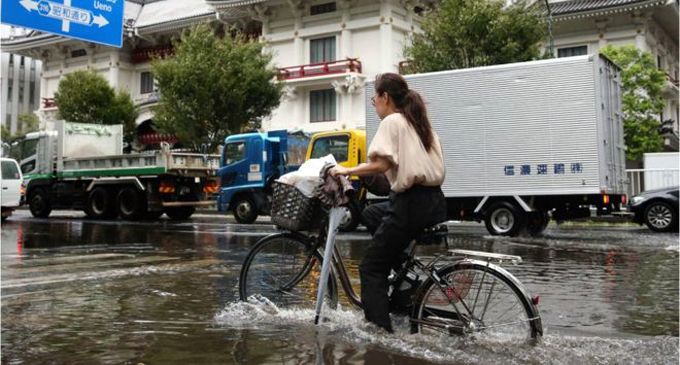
<point x="338" y="170"/>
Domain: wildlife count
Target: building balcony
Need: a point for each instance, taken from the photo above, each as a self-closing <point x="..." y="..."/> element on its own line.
<point x="348" y="65"/>
<point x="49" y="103"/>
<point x="147" y="99"/>
<point x="144" y="55"/>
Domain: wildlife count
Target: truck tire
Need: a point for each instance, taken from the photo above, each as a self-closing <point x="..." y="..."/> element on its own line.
<point x="504" y="219"/>
<point x="351" y="219"/>
<point x="245" y="210"/>
<point x="180" y="213"/>
<point x="39" y="203"/>
<point x="537" y="222"/>
<point x="131" y="204"/>
<point x="100" y="204"/>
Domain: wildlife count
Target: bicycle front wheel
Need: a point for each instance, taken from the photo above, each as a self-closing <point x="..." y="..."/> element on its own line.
<point x="285" y="270"/>
<point x="473" y="299"/>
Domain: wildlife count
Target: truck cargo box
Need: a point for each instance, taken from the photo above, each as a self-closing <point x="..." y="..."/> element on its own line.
<point x="549" y="127"/>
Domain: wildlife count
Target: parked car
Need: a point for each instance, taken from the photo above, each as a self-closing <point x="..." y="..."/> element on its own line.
<point x="12" y="181"/>
<point x="658" y="209"/>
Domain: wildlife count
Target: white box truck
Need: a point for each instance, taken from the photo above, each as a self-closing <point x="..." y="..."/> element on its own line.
<point x="525" y="140"/>
<point x="82" y="166"/>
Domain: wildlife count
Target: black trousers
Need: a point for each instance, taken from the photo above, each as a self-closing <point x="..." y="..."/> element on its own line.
<point x="394" y="224"/>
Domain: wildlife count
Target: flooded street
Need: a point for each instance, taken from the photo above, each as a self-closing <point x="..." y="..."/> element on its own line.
<point x="83" y="291"/>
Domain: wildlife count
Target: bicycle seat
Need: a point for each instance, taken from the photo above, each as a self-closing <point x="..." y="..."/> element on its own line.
<point x="433" y="235"/>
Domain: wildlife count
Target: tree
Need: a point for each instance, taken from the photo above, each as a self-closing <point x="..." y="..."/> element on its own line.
<point x="213" y="86"/>
<point x="641" y="94"/>
<point x="471" y="33"/>
<point x="86" y="97"/>
<point x="27" y="123"/>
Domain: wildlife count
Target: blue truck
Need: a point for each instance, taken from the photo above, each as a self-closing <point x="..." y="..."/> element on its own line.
<point x="249" y="163"/>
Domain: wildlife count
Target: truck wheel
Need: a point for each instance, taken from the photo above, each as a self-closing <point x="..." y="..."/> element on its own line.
<point x="661" y="217"/>
<point x="131" y="204"/>
<point x="180" y="213"/>
<point x="537" y="222"/>
<point x="100" y="204"/>
<point x="39" y="203"/>
<point x="245" y="210"/>
<point x="351" y="219"/>
<point x="504" y="219"/>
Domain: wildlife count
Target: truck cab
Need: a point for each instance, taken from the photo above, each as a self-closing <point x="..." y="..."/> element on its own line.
<point x="249" y="164"/>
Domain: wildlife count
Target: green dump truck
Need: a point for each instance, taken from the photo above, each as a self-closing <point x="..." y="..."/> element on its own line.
<point x="82" y="166"/>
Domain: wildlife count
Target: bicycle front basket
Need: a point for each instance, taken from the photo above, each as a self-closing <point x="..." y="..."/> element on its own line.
<point x="291" y="209"/>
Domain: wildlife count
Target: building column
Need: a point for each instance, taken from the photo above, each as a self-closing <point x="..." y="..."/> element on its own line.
<point x="345" y="34"/>
<point x="601" y="25"/>
<point x="640" y="20"/>
<point x="386" y="64"/>
<point x="114" y="69"/>
<point x="298" y="43"/>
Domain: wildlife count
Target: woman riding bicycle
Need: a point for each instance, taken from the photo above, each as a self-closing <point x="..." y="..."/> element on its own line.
<point x="409" y="153"/>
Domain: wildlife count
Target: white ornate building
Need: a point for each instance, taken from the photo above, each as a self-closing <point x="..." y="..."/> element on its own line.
<point x="325" y="50"/>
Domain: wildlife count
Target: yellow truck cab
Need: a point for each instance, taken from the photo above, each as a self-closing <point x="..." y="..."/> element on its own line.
<point x="347" y="146"/>
<point x="349" y="149"/>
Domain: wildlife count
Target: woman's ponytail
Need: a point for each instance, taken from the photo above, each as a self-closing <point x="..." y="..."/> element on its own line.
<point x="415" y="112"/>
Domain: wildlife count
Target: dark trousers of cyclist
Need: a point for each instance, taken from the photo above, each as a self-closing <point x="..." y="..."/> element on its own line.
<point x="394" y="224"/>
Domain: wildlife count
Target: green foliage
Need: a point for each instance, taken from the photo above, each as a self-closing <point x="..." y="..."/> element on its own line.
<point x="471" y="33"/>
<point x="213" y="86"/>
<point x="27" y="123"/>
<point x="642" y="85"/>
<point x="86" y="97"/>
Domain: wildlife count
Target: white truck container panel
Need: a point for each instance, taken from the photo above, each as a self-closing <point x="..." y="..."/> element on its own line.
<point x="549" y="127"/>
<point x="89" y="140"/>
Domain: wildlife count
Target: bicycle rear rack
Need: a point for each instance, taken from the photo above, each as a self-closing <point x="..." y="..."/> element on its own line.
<point x="488" y="256"/>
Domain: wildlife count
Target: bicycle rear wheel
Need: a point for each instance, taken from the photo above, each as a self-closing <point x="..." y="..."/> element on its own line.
<point x="473" y="299"/>
<point x="284" y="269"/>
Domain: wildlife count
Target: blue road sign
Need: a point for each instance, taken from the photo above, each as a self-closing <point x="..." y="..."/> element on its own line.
<point x="97" y="21"/>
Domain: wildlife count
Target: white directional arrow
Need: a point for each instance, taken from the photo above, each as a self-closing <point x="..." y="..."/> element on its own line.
<point x="100" y="21"/>
<point x="64" y="12"/>
<point x="29" y="5"/>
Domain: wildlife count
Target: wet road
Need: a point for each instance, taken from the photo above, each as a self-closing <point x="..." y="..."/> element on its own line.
<point x="82" y="291"/>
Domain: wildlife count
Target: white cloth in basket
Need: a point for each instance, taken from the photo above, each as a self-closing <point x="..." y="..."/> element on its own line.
<point x="306" y="178"/>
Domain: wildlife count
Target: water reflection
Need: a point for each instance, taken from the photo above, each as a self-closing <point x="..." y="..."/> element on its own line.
<point x="83" y="291"/>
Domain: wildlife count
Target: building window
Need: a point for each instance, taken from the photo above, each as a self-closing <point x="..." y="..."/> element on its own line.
<point x="21" y="94"/>
<point x="78" y="53"/>
<point x="322" y="50"/>
<point x="22" y="61"/>
<point x="323" y="8"/>
<point x="572" y="51"/>
<point x="146" y="83"/>
<point x="322" y="105"/>
<point x="11" y="59"/>
<point x="9" y="90"/>
<point x="31" y="93"/>
<point x="8" y="121"/>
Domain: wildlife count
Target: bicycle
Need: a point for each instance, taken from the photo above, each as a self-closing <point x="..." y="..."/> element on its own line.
<point x="458" y="296"/>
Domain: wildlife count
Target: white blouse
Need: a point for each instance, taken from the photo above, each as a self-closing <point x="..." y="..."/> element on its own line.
<point x="412" y="165"/>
